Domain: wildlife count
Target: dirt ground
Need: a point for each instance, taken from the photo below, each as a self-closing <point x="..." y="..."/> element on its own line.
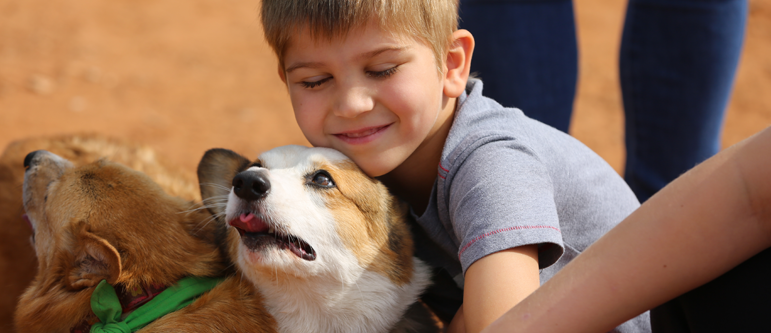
<point x="184" y="76"/>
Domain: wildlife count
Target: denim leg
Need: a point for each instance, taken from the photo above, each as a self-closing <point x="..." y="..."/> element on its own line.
<point x="526" y="54"/>
<point x="677" y="64"/>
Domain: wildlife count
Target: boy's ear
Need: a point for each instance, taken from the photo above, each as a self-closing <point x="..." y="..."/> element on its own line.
<point x="458" y="63"/>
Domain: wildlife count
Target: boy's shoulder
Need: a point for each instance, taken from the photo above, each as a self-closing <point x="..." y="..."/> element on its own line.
<point x="503" y="171"/>
<point x="480" y="120"/>
<point x="488" y="140"/>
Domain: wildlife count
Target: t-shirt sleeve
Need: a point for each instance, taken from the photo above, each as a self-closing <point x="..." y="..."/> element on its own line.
<point x="502" y="197"/>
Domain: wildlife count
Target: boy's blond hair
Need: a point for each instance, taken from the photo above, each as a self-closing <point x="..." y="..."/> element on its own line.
<point x="430" y="21"/>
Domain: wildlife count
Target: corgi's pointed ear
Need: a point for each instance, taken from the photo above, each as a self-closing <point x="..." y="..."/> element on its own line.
<point x="95" y="259"/>
<point x="215" y="177"/>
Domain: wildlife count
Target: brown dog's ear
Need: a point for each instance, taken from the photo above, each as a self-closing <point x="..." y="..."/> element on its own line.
<point x="215" y="177"/>
<point x="95" y="260"/>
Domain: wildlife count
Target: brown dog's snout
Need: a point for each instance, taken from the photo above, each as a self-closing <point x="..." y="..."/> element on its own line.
<point x="251" y="185"/>
<point x="30" y="158"/>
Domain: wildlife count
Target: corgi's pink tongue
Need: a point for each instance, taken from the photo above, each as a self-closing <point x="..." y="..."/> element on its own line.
<point x="249" y="223"/>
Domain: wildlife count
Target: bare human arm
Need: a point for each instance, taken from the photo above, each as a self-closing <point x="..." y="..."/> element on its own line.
<point x="695" y="229"/>
<point x="494" y="284"/>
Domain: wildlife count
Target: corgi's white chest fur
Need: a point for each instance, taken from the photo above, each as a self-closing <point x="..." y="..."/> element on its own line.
<point x="326" y="304"/>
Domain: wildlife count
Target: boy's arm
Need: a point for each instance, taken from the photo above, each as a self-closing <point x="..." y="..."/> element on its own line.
<point x="700" y="226"/>
<point x="497" y="282"/>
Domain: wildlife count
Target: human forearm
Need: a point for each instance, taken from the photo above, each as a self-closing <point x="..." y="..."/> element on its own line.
<point x="497" y="282"/>
<point x="698" y="227"/>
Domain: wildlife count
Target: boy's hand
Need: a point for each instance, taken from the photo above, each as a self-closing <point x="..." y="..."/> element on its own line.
<point x="497" y="282"/>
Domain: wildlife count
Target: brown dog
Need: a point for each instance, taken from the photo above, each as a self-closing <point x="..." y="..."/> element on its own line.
<point x="104" y="221"/>
<point x="17" y="257"/>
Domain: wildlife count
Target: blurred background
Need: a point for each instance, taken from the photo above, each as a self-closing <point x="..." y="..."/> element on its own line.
<point x="186" y="76"/>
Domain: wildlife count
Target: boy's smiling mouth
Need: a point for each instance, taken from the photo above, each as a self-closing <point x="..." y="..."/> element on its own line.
<point x="363" y="135"/>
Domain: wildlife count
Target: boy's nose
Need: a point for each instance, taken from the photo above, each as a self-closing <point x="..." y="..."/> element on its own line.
<point x="354" y="101"/>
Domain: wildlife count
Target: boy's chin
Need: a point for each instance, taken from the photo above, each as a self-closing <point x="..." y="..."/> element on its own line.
<point x="376" y="170"/>
<point x="376" y="165"/>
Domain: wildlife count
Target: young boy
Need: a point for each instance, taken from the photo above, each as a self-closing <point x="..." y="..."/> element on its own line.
<point x="501" y="196"/>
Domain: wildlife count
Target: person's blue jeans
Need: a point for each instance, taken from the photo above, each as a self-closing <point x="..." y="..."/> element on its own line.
<point x="526" y="54"/>
<point x="677" y="64"/>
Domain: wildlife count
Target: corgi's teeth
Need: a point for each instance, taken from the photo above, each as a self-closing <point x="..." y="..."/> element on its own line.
<point x="270" y="230"/>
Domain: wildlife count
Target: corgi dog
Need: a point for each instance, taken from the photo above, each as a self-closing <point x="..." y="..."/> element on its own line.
<point x="105" y="225"/>
<point x="327" y="246"/>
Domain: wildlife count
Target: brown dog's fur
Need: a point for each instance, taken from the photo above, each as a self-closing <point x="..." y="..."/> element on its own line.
<point x="105" y="221"/>
<point x="17" y="257"/>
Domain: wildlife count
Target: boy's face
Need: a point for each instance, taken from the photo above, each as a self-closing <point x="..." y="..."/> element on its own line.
<point x="373" y="96"/>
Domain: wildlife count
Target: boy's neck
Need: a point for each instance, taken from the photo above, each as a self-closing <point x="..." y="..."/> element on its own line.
<point x="413" y="180"/>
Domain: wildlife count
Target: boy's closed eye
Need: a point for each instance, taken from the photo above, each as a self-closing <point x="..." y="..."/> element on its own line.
<point x="384" y="73"/>
<point x="316" y="81"/>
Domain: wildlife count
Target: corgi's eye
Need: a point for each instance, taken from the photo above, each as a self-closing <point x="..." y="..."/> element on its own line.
<point x="322" y="179"/>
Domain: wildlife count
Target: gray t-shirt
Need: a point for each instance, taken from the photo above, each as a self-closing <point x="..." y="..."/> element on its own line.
<point x="506" y="180"/>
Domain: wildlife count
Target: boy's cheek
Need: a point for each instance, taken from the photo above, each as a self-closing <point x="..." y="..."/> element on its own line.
<point x="312" y="131"/>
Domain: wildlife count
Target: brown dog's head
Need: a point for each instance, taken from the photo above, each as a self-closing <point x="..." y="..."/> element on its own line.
<point x="104" y="221"/>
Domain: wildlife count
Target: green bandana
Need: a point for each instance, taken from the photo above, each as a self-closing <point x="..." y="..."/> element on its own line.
<point x="106" y="306"/>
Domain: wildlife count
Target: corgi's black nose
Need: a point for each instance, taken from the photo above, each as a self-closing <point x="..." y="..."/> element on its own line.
<point x="28" y="159"/>
<point x="251" y="185"/>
